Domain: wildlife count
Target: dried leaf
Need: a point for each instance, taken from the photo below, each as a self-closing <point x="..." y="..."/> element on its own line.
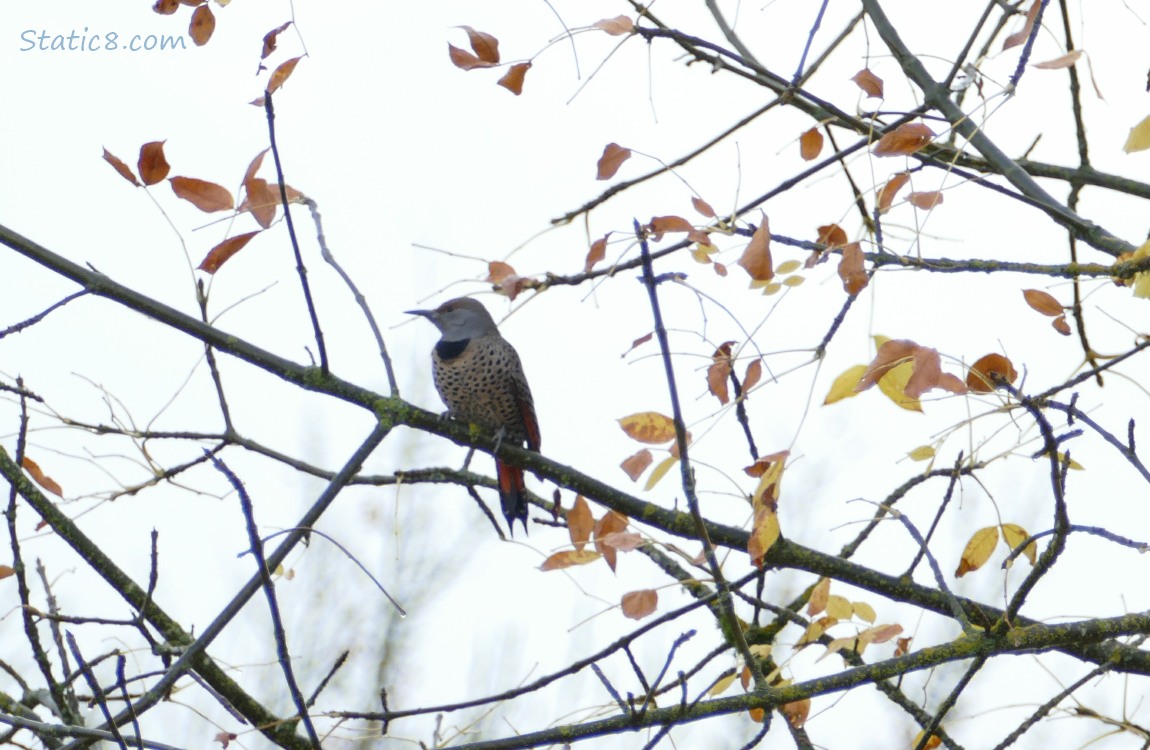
<point x="580" y="523"/>
<point x="624" y="541"/>
<point x="512" y="80"/>
<point x="204" y="195"/>
<point x="753" y="375"/>
<point x="6" y="571"/>
<point x="617" y="26"/>
<point x="596" y="254"/>
<point x="978" y="550"/>
<point x="638" y="604"/>
<point x="1042" y="302"/>
<point x="486" y="47"/>
<point x="868" y="82"/>
<point x="660" y="471"/>
<point x="280" y="75"/>
<point x="881" y="633"/>
<point x="864" y="611"/>
<point x="202" y="25"/>
<point x="260" y="200"/>
<point x="985" y="373"/>
<point x="270" y="39"/>
<point x="925" y="200"/>
<point x="817" y="602"/>
<point x="763" y="463"/>
<point x="756" y="259"/>
<point x="569" y="558"/>
<point x="152" y="165"/>
<point x="810" y="144"/>
<point x="1065" y="61"/>
<point x="839" y="607"/>
<point x="648" y="427"/>
<point x="123" y="169"/>
<point x="797" y="712"/>
<point x="611" y="523"/>
<point x="220" y="254"/>
<point x="1014" y="535"/>
<point x="464" y="60"/>
<point x="720" y="371"/>
<point x="904" y="140"/>
<point x="923" y="452"/>
<point x="1061" y="325"/>
<point x="166" y="7"/>
<point x="613" y="157"/>
<point x="39" y="477"/>
<point x="832" y="235"/>
<point x="497" y="271"/>
<point x="852" y="269"/>
<point x="1139" y="138"/>
<point x="890" y="190"/>
<point x="1021" y="36"/>
<point x="703" y="207"/>
<point x="722" y="685"/>
<point x="255" y="164"/>
<point x="635" y="465"/>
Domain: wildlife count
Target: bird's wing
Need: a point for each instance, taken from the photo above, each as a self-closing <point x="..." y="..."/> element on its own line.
<point x="526" y="406"/>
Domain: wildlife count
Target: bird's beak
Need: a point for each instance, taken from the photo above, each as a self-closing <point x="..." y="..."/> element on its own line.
<point x="421" y="313"/>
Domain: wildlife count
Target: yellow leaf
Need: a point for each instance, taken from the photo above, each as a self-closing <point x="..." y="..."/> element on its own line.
<point x="648" y="427"/>
<point x="660" y="470"/>
<point x="1139" y="138"/>
<point x="794" y="280"/>
<point x="788" y="266"/>
<point x="921" y="453"/>
<point x="819" y="595"/>
<point x="1142" y="280"/>
<point x="893" y="386"/>
<point x="770" y="288"/>
<point x="764" y="534"/>
<point x="721" y="686"/>
<point x="1014" y="535"/>
<point x="864" y="611"/>
<point x="839" y="607"/>
<point x="844" y="385"/>
<point x="978" y="550"/>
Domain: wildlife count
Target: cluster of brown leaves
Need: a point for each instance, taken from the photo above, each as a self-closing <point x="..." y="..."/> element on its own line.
<point x="203" y="22"/>
<point x="1049" y="306"/>
<point x="719" y="373"/>
<point x="765" y="504"/>
<point x="486" y="55"/>
<point x="506" y="281"/>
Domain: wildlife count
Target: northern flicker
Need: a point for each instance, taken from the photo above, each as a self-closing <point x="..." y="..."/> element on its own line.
<point x="480" y="379"/>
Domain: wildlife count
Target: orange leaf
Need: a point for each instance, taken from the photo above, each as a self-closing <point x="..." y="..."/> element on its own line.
<point x="1065" y="61"/>
<point x="1061" y="325"/>
<point x="617" y="26"/>
<point x="890" y="190"/>
<point x="810" y="144"/>
<point x="497" y="271"/>
<point x="756" y="259"/>
<point x="123" y="169"/>
<point x="202" y="25"/>
<point x="613" y="157"/>
<point x="1043" y="302"/>
<point x="984" y="373"/>
<point x="718" y="372"/>
<point x="6" y="571"/>
<point x="638" y="604"/>
<point x="485" y="45"/>
<point x="260" y="200"/>
<point x="40" y="478"/>
<point x="760" y="466"/>
<point x="280" y="75"/>
<point x="569" y="558"/>
<point x="254" y="166"/>
<point x="597" y="253"/>
<point x="464" y="60"/>
<point x="925" y="201"/>
<point x="152" y="165"/>
<point x="868" y="82"/>
<point x="635" y="465"/>
<point x="797" y="712"/>
<point x="204" y="195"/>
<point x="624" y="541"/>
<point x="612" y="523"/>
<point x="512" y="80"/>
<point x="220" y="254"/>
<point x="270" y="39"/>
<point x="580" y="523"/>
<point x="648" y="427"/>
<point x="753" y="375"/>
<point x="852" y="269"/>
<point x="703" y="207"/>
<point x="819" y="595"/>
<point x="905" y="139"/>
<point x="1021" y="36"/>
<point x="832" y="235"/>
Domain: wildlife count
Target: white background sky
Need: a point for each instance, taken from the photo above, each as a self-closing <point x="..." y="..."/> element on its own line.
<point x="402" y="150"/>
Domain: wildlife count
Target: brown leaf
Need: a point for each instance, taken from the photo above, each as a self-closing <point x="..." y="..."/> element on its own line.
<point x="597" y="253"/>
<point x="1065" y="61"/>
<point x="1043" y="302"/>
<point x="1021" y="36"/>
<point x="261" y="200"/>
<point x="512" y="80"/>
<point x="497" y="271"/>
<point x="464" y="60"/>
<point x="152" y="165"/>
<point x="718" y="372"/>
<point x="926" y="200"/>
<point x="890" y="190"/>
<point x="760" y="466"/>
<point x="635" y="465"/>
<point x="6" y="571"/>
<point x="756" y="259"/>
<point x="703" y="207"/>
<point x="852" y="269"/>
<point x="984" y="373"/>
<point x="868" y="82"/>
<point x="648" y="427"/>
<point x="638" y="604"/>
<point x="638" y="342"/>
<point x="659" y="225"/>
<point x="254" y="166"/>
<point x="611" y="523"/>
<point x="1061" y="325"/>
<point x="39" y="477"/>
<point x="617" y="26"/>
<point x="818" y="599"/>
<point x="797" y="712"/>
<point x="753" y="375"/>
<point x="204" y="195"/>
<point x="202" y="25"/>
<point x="280" y="75"/>
<point x="166" y="7"/>
<point x="224" y="738"/>
<point x="270" y="39"/>
<point x="905" y="139"/>
<point x="580" y="523"/>
<point x="613" y="157"/>
<point x="123" y="169"/>
<point x="624" y="541"/>
<point x="926" y="373"/>
<point x="569" y="558"/>
<point x="486" y="47"/>
<point x="810" y="144"/>
<point x="832" y="235"/>
<point x="220" y="254"/>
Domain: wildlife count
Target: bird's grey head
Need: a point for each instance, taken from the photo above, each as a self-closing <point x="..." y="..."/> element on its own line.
<point x="459" y="319"/>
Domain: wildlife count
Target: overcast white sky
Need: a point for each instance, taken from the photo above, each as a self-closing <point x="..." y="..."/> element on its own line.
<point x="402" y="152"/>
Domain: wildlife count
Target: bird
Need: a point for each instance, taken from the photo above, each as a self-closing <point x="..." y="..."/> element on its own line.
<point x="480" y="378"/>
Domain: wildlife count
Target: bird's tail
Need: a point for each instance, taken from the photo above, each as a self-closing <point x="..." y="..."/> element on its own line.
<point x="512" y="494"/>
